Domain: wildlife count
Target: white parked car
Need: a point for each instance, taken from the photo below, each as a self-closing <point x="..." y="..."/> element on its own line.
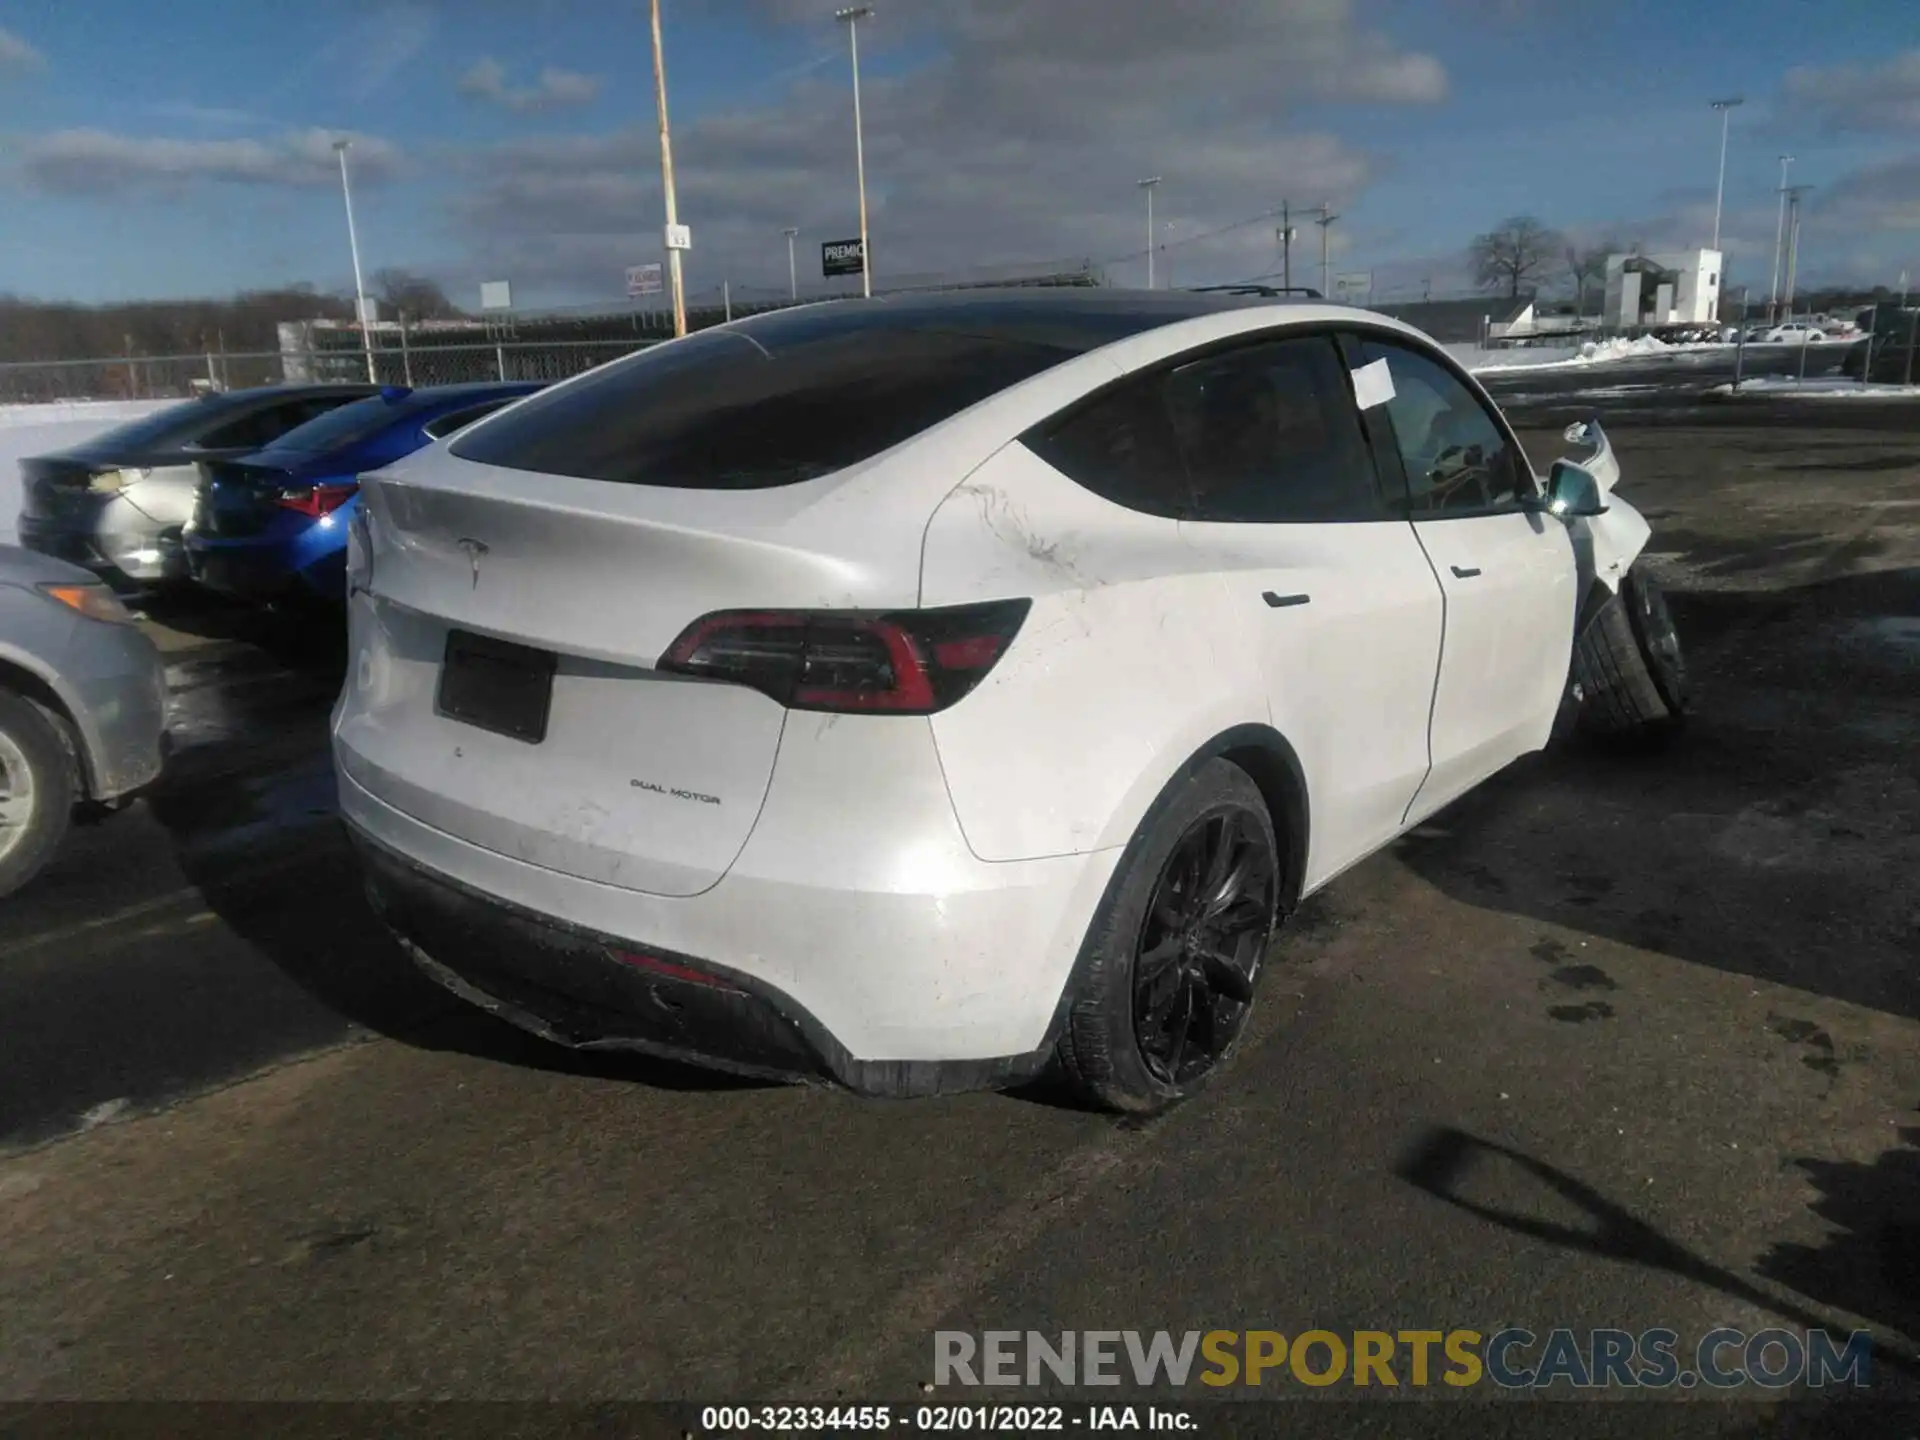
<point x="923" y="693"/>
<point x="1795" y="333"/>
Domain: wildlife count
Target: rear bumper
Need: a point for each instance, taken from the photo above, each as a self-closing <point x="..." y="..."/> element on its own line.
<point x="122" y="557"/>
<point x="569" y="986"/>
<point x="114" y="681"/>
<point x="271" y="568"/>
<point x="886" y="994"/>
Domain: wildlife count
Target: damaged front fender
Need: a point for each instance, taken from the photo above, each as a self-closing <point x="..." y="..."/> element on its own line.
<point x="1605" y="545"/>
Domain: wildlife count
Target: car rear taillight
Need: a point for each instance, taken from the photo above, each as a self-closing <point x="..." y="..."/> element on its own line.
<point x="908" y="662"/>
<point x="315" y="499"/>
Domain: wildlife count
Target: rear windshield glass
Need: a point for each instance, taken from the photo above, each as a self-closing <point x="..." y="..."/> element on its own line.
<point x="346" y="425"/>
<point x="775" y="404"/>
<point x="175" y="425"/>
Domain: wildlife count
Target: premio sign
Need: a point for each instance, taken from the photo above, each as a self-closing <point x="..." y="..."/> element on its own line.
<point x="843" y="257"/>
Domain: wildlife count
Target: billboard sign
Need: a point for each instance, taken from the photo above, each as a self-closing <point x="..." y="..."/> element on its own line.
<point x="1354" y="288"/>
<point x="644" y="279"/>
<point x="843" y="257"/>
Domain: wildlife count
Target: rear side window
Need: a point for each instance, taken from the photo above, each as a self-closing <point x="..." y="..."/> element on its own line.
<point x="1271" y="436"/>
<point x="1121" y="447"/>
<point x="720" y="410"/>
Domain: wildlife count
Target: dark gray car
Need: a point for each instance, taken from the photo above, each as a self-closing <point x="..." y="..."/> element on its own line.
<point x="116" y="503"/>
<point x="83" y="706"/>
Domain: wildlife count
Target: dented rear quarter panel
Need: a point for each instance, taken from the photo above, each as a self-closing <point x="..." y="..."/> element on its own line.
<point x="1120" y="672"/>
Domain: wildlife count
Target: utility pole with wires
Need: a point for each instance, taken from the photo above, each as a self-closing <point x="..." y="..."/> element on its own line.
<point x="1327" y="217"/>
<point x="666" y="181"/>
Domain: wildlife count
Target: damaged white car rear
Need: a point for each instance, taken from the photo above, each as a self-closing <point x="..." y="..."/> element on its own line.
<point x="921" y="694"/>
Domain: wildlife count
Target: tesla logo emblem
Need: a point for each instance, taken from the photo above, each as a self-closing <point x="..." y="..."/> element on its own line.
<point x="474" y="551"/>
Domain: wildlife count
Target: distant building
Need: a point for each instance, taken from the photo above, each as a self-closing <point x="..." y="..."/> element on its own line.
<point x="1680" y="287"/>
<point x="1465" y="322"/>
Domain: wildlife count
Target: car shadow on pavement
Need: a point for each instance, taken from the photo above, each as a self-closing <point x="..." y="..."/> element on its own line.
<point x="1450" y="1165"/>
<point x="1765" y="841"/>
<point x="305" y="912"/>
<point x="1870" y="1265"/>
<point x="308" y="637"/>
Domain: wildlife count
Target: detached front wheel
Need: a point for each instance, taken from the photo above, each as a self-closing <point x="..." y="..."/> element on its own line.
<point x="1631" y="669"/>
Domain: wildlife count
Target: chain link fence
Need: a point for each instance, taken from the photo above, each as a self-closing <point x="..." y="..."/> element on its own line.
<point x="180" y="377"/>
<point x="144" y="377"/>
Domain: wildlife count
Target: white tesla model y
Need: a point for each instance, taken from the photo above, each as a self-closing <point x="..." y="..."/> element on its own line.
<point x="919" y="693"/>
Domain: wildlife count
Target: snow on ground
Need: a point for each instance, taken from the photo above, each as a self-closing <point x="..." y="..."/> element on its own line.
<point x="36" y="429"/>
<point x="1826" y="387"/>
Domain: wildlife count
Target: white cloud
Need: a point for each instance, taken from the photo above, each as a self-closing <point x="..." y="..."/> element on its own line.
<point x="487" y="80"/>
<point x="1882" y="198"/>
<point x="1020" y="140"/>
<point x="100" y="162"/>
<point x="1883" y="97"/>
<point x="17" y="54"/>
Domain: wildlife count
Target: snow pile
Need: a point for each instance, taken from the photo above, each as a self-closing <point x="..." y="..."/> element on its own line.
<point x="36" y="429"/>
<point x="58" y="412"/>
<point x="1619" y="349"/>
<point x="1821" y="388"/>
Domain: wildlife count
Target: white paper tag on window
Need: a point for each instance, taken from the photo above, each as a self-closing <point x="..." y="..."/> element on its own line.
<point x="1372" y="385"/>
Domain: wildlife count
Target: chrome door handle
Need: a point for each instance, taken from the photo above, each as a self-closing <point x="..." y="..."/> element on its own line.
<point x="1460" y="574"/>
<point x="1279" y="602"/>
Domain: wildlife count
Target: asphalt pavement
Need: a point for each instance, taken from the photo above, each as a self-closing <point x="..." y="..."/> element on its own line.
<point x="1657" y="1015"/>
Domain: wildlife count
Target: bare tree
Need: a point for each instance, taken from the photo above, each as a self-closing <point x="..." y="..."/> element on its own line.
<point x="1517" y="250"/>
<point x="1587" y="267"/>
<point x="415" y="296"/>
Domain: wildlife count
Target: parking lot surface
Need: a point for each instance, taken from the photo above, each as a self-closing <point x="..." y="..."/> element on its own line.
<point x="1660" y="1015"/>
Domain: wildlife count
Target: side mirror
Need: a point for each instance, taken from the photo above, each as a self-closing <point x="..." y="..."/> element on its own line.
<point x="1573" y="492"/>
<point x="1579" y="433"/>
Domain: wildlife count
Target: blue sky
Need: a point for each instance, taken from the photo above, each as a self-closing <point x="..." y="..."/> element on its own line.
<point x="182" y="149"/>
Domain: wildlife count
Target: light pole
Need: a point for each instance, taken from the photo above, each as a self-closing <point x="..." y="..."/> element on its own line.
<point x="1725" y="107"/>
<point x="1779" y="240"/>
<point x="852" y="15"/>
<point x="666" y="177"/>
<point x="340" y="148"/>
<point x="1794" y="193"/>
<point x="1147" y="186"/>
<point x="793" y="275"/>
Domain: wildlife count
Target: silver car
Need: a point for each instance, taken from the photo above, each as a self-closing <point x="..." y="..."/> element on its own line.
<point x="117" y="503"/>
<point x="83" y="706"/>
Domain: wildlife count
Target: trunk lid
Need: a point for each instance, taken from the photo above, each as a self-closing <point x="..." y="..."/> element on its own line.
<point x="505" y="632"/>
<point x="236" y="499"/>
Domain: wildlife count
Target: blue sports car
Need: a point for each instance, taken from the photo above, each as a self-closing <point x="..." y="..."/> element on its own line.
<point x="273" y="525"/>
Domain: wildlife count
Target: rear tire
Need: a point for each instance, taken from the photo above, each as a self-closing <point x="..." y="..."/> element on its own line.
<point x="1172" y="956"/>
<point x="1630" y="668"/>
<point x="36" y="791"/>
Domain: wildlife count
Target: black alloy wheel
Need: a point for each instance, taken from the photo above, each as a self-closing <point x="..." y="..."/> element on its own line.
<point x="1201" y="944"/>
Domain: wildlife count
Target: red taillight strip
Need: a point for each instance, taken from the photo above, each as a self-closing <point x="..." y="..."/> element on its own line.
<point x="319" y="500"/>
<point x="671" y="971"/>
